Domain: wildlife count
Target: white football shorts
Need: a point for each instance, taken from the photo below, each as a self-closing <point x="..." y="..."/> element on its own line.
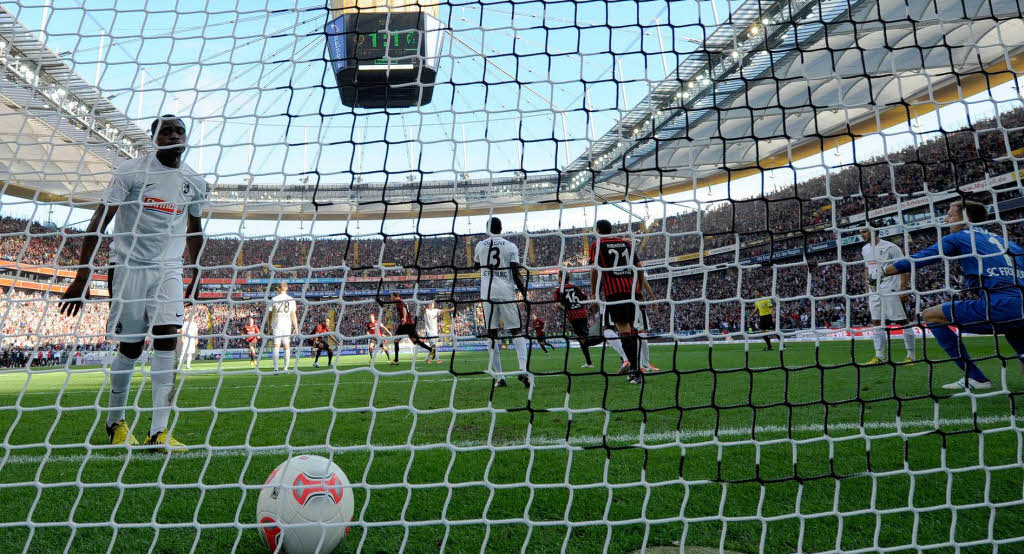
<point x="499" y="314"/>
<point x="886" y="307"/>
<point x="144" y="297"/>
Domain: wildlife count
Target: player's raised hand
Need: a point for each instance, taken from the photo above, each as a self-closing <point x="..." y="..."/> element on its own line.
<point x="73" y="298"/>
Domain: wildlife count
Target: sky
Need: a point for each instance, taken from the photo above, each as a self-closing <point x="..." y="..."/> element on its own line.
<point x="261" y="101"/>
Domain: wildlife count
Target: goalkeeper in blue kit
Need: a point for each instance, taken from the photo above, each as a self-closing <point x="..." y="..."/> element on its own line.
<point x="993" y="267"/>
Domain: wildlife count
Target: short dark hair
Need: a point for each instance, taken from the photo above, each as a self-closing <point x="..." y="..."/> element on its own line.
<point x="494" y="225"/>
<point x="603" y="226"/>
<point x="165" y="117"/>
<point x="975" y="212"/>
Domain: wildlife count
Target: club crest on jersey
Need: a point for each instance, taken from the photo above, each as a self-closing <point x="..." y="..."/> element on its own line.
<point x="152" y="204"/>
<point x="185" y="188"/>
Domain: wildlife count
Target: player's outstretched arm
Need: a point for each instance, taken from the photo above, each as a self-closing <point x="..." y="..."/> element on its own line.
<point x="78" y="290"/>
<point x="923" y="258"/>
<point x="194" y="245"/>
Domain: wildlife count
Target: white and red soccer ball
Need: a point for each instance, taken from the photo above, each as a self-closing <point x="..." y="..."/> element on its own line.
<point x="305" y="506"/>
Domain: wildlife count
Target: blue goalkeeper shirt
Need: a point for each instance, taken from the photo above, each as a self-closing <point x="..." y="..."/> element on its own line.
<point x="990" y="263"/>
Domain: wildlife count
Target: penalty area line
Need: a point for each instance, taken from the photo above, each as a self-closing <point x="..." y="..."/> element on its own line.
<point x="624" y="439"/>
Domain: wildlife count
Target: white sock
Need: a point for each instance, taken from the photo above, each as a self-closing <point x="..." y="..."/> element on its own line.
<point x="120" y="384"/>
<point x="287" y="358"/>
<point x="496" y="359"/>
<point x="910" y="341"/>
<point x="277" y="355"/>
<point x="613" y="341"/>
<point x="645" y="352"/>
<point x="879" y="337"/>
<point x="522" y="351"/>
<point x="161" y="376"/>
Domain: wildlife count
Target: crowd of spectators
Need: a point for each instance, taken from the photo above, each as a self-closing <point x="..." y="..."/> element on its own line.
<point x="821" y="289"/>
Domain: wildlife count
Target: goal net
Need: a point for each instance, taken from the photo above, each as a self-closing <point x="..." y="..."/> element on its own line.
<point x="696" y="197"/>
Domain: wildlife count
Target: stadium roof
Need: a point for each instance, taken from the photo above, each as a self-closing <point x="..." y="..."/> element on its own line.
<point x="59" y="136"/>
<point x="786" y="80"/>
<point x="780" y="81"/>
<point x="776" y="83"/>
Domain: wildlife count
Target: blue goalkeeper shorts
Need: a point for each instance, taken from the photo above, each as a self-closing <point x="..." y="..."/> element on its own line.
<point x="998" y="313"/>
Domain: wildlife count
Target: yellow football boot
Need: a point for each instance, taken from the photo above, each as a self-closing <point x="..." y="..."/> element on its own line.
<point x="163" y="441"/>
<point x="120" y="434"/>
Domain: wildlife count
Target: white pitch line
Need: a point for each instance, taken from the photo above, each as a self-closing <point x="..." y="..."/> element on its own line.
<point x="381" y="379"/>
<point x="648" y="439"/>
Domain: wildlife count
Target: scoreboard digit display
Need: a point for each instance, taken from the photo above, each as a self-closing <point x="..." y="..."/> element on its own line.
<point x="377" y="47"/>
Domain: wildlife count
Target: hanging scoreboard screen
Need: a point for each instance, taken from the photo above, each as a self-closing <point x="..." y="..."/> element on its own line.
<point x="382" y="60"/>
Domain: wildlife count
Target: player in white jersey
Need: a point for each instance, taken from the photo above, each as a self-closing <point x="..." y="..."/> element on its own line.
<point x="283" y="322"/>
<point x="430" y="332"/>
<point x="189" y="340"/>
<point x="498" y="260"/>
<point x="885" y="295"/>
<point x="158" y="201"/>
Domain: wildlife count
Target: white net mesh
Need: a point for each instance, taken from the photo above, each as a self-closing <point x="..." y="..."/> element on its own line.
<point x="355" y="150"/>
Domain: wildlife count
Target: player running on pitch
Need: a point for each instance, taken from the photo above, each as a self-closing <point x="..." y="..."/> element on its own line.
<point x="884" y="298"/>
<point x="321" y="341"/>
<point x="283" y="322"/>
<point x="252" y="338"/>
<point x="571" y="299"/>
<point x="377" y="332"/>
<point x="613" y="274"/>
<point x="539" y="327"/>
<point x="498" y="260"/>
<point x="406" y="327"/>
<point x="994" y="268"/>
<point x="430" y="317"/>
<point x="158" y="201"/>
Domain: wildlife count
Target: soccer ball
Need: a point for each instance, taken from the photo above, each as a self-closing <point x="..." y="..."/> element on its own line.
<point x="305" y="506"/>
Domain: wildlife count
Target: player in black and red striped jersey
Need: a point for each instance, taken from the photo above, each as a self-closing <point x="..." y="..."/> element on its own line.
<point x="407" y="327"/>
<point x="571" y="298"/>
<point x="539" y="326"/>
<point x="321" y="342"/>
<point x="613" y="275"/>
<point x="252" y="337"/>
<point x="375" y="329"/>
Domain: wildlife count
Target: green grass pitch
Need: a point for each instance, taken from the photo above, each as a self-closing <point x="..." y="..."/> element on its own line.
<point x="734" y="456"/>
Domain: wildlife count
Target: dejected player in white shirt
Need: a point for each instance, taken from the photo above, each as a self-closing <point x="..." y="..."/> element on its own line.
<point x="885" y="295"/>
<point x="500" y="280"/>
<point x="283" y="323"/>
<point x="158" y="202"/>
<point x="430" y="333"/>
